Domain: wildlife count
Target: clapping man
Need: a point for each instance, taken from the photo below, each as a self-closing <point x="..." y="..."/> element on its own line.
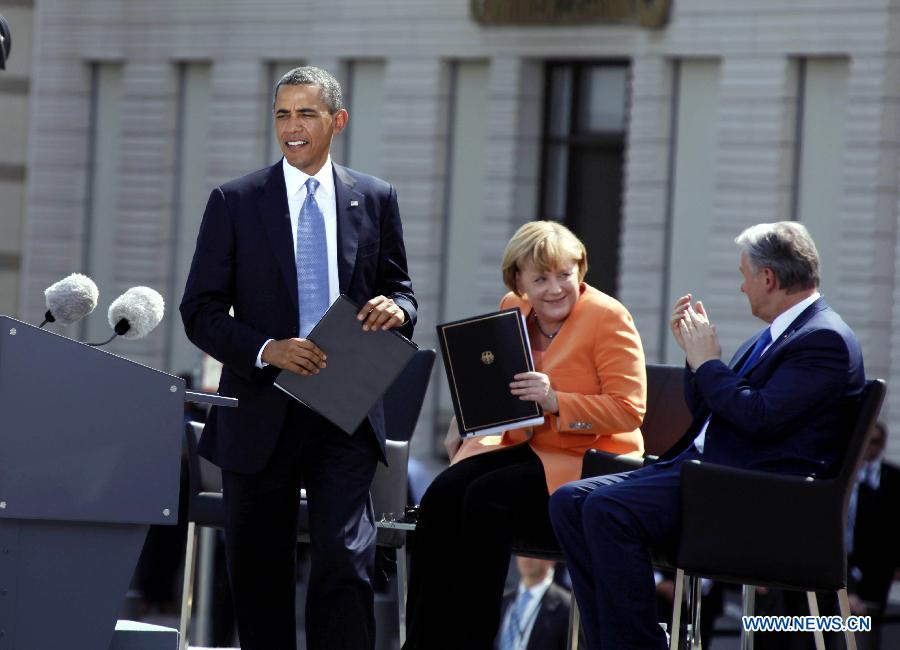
<point x="781" y="405"/>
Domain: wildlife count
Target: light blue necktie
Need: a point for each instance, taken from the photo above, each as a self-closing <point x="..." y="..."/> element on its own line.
<point x="312" y="261"/>
<point x="764" y="339"/>
<point x="514" y="631"/>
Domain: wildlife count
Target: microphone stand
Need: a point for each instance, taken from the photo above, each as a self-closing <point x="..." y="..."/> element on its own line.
<point x="121" y="327"/>
<point x="48" y="318"/>
<point x="109" y="340"/>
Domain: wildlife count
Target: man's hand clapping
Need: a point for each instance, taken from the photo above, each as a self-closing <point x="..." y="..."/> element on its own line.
<point x="694" y="333"/>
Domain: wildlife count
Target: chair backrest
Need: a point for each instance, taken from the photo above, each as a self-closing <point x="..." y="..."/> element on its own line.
<point x="203" y="475"/>
<point x="389" y="489"/>
<point x="667" y="415"/>
<point x="867" y="414"/>
<point x="403" y="400"/>
<point x="402" y="405"/>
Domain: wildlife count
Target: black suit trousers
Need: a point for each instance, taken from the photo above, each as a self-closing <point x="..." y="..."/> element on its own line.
<point x="261" y="538"/>
<point x="468" y="519"/>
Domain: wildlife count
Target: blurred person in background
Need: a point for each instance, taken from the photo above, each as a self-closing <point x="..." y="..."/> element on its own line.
<point x="874" y="553"/>
<point x="536" y="613"/>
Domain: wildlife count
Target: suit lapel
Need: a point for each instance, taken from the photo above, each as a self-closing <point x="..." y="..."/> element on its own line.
<point x="350" y="206"/>
<point x="276" y="221"/>
<point x="541" y="630"/>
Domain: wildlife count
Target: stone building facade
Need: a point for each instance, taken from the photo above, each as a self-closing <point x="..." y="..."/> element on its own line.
<point x="657" y="144"/>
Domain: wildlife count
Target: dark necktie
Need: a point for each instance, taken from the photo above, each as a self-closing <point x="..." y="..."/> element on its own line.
<point x="764" y="339"/>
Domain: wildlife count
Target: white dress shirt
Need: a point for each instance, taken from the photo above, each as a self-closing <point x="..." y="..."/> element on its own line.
<point x="778" y="327"/>
<point x="295" y="182"/>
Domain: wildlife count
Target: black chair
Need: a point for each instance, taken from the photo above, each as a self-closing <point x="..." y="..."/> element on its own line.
<point x="666" y="419"/>
<point x="390" y="489"/>
<point x="762" y="529"/>
<point x="205" y="512"/>
<point x="668" y="416"/>
<point x="402" y="404"/>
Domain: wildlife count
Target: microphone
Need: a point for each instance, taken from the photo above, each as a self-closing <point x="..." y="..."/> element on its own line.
<point x="134" y="314"/>
<point x="5" y="42"/>
<point x="70" y="299"/>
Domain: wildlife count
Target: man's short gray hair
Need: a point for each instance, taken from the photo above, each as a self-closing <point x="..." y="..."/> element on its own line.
<point x="329" y="88"/>
<point x="785" y="247"/>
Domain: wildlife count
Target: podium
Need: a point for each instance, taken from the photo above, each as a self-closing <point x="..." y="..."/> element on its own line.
<point x="90" y="451"/>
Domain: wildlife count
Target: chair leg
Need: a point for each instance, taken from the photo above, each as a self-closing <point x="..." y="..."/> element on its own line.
<point x="748" y="606"/>
<point x="574" y="625"/>
<point x="844" y="603"/>
<point x="675" y="632"/>
<point x="187" y="589"/>
<point x="401" y="592"/>
<point x="696" y="597"/>
<point x="814" y="611"/>
<point x="203" y="601"/>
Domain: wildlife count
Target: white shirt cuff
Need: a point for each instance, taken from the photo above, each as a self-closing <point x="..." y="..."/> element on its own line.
<point x="259" y="362"/>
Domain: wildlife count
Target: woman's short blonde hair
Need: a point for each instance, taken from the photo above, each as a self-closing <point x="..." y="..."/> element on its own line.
<point x="545" y="244"/>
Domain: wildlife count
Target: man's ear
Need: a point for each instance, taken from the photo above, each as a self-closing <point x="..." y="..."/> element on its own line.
<point x="771" y="279"/>
<point x="340" y="120"/>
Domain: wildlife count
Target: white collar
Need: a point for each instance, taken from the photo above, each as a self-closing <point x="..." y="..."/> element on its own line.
<point x="294" y="178"/>
<point x="784" y="319"/>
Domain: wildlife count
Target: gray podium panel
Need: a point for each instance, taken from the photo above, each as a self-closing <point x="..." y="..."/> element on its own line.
<point x="62" y="584"/>
<point x="85" y="435"/>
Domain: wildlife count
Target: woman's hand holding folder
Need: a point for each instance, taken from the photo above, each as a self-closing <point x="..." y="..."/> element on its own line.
<point x="535" y="386"/>
<point x="452" y="441"/>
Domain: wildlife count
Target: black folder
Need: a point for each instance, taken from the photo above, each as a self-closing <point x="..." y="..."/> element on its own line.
<point x="360" y="367"/>
<point x="481" y="355"/>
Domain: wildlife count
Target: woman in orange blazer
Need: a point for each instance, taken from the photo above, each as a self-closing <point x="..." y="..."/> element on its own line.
<point x="590" y="380"/>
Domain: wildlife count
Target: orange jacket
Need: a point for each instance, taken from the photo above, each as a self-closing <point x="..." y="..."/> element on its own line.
<point x="596" y="366"/>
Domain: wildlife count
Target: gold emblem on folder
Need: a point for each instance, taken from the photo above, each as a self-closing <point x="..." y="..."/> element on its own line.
<point x="487" y="357"/>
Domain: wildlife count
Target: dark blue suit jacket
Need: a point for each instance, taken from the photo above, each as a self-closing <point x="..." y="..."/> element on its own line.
<point x="245" y="260"/>
<point x="793" y="411"/>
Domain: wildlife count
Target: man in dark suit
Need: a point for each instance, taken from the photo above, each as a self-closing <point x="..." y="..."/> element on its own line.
<point x="875" y="543"/>
<point x="783" y="405"/>
<point x="536" y="613"/>
<point x="276" y="247"/>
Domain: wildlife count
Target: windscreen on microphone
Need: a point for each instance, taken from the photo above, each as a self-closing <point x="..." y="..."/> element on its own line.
<point x="136" y="312"/>
<point x="5" y="42"/>
<point x="70" y="299"/>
